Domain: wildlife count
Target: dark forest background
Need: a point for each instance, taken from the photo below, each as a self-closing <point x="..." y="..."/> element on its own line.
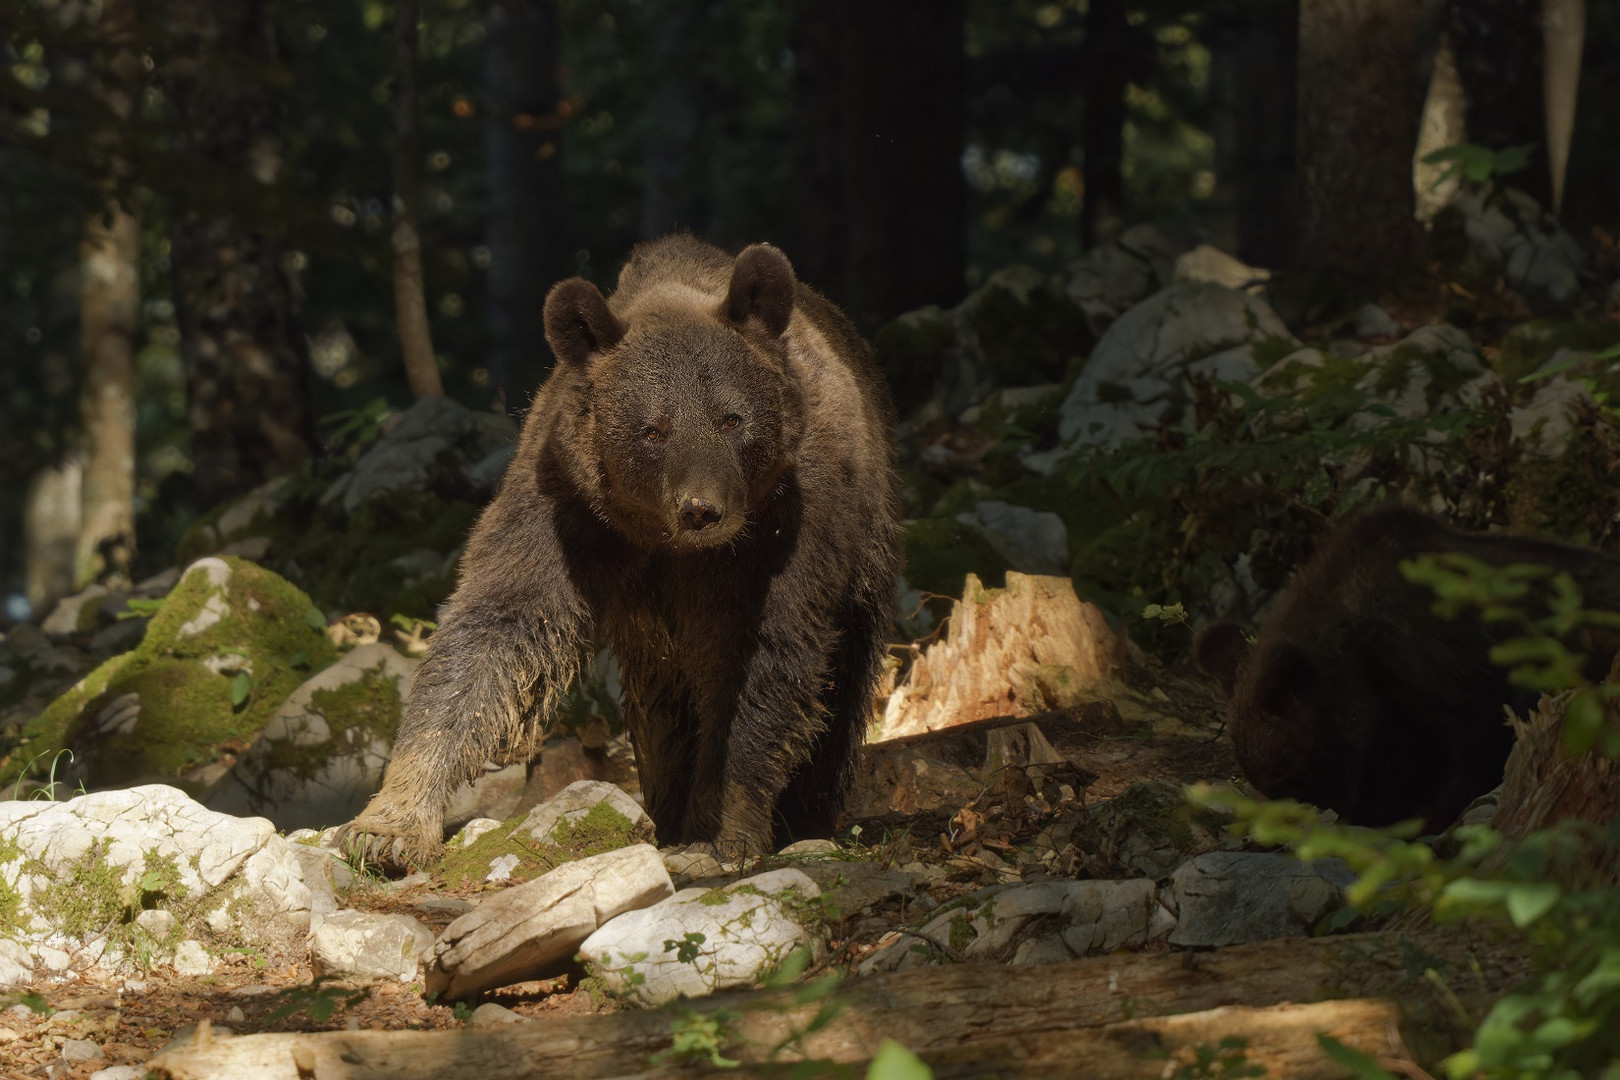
<point x="209" y="211"/>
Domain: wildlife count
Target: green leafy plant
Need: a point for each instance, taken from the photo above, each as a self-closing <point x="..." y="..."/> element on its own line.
<point x="697" y="1038"/>
<point x="319" y="1000"/>
<point x="1478" y="164"/>
<point x="137" y="608"/>
<point x="688" y="948"/>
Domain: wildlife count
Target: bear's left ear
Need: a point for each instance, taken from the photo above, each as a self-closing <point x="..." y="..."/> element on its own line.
<point x="762" y="285"/>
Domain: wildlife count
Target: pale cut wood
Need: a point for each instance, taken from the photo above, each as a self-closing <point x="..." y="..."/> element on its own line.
<point x="1119" y="1014"/>
<point x="1027" y="648"/>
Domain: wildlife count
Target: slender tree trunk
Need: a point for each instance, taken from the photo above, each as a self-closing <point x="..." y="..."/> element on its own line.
<point x="410" y="301"/>
<point x="1499" y="59"/>
<point x="1444" y="123"/>
<point x="820" y="246"/>
<point x="1105" y="72"/>
<point x="108" y="314"/>
<point x="904" y="106"/>
<point x="1256" y="66"/>
<point x="674" y="115"/>
<point x="1563" y="26"/>
<point x="245" y="354"/>
<point x="107" y="326"/>
<point x="523" y="163"/>
<point x="1357" y="124"/>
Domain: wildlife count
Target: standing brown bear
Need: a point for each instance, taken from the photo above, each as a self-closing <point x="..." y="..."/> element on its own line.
<point x="706" y="485"/>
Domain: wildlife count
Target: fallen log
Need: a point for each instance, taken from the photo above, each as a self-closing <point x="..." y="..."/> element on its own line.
<point x="1120" y="1015"/>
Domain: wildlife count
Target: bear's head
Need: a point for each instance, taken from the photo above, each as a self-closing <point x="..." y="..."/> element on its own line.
<point x="684" y="415"/>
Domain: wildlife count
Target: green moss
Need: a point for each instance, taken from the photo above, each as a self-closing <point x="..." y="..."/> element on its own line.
<point x="10" y="896"/>
<point x="186" y="711"/>
<point x="599" y="830"/>
<point x="912" y="351"/>
<point x="86" y="898"/>
<point x="357" y="713"/>
<point x="940" y="552"/>
<point x="347" y="562"/>
<point x="1529" y="345"/>
<point x="962" y="934"/>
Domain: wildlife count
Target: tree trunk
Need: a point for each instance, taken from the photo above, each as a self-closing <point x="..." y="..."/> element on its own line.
<point x="246" y="357"/>
<point x="1110" y="1012"/>
<point x="820" y="245"/>
<point x="107" y="322"/>
<point x="1357" y="128"/>
<point x="674" y="116"/>
<point x="523" y="164"/>
<point x="108" y="318"/>
<point x="1256" y="65"/>
<point x="52" y="515"/>
<point x="1444" y="123"/>
<point x="1499" y="60"/>
<point x="903" y="100"/>
<point x="1563" y="26"/>
<point x="1105" y="72"/>
<point x="410" y="302"/>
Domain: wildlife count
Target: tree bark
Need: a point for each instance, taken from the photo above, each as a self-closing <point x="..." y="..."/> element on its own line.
<point x="1255" y="63"/>
<point x="903" y="102"/>
<point x="1115" y="1013"/>
<point x="109" y="303"/>
<point x="410" y="301"/>
<point x="1501" y="68"/>
<point x="1357" y="128"/>
<point x="1444" y="123"/>
<point x="245" y="354"/>
<point x="1563" y="27"/>
<point x="820" y="245"/>
<point x="523" y="162"/>
<point x="1105" y="72"/>
<point x="674" y="116"/>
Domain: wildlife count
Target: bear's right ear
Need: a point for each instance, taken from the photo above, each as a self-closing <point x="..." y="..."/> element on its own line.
<point x="1220" y="649"/>
<point x="578" y="322"/>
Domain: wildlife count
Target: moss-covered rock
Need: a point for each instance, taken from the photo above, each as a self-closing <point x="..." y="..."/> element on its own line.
<point x="941" y="552"/>
<point x="321" y="755"/>
<point x="514" y="855"/>
<point x="230" y="642"/>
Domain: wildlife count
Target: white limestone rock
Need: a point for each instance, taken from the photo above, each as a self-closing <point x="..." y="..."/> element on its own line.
<point x="748" y="928"/>
<point x="368" y="946"/>
<point x="532" y="930"/>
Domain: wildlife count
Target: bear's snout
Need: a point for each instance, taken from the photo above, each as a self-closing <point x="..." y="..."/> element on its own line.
<point x="698" y="514"/>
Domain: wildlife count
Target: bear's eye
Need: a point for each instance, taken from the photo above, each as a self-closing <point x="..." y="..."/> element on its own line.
<point x="730" y="422"/>
<point x="652" y="433"/>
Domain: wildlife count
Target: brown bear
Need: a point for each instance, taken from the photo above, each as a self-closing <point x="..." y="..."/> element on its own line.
<point x="1358" y="697"/>
<point x="706" y="485"/>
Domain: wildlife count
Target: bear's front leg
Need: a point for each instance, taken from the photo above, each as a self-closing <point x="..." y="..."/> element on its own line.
<point x="507" y="649"/>
<point x="781" y="715"/>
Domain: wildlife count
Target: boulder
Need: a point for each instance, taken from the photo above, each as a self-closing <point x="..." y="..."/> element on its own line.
<point x="533" y="930"/>
<point x="1039" y="923"/>
<point x="369" y="946"/>
<point x="230" y="642"/>
<point x="1231" y="897"/>
<point x="88" y="874"/>
<point x="1141" y="374"/>
<point x="321" y="754"/>
<point x="702" y="940"/>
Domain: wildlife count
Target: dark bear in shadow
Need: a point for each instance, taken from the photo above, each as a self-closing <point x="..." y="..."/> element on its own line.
<point x="1357" y="697"/>
<point x="706" y="485"/>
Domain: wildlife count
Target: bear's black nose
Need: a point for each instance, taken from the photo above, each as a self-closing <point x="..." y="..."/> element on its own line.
<point x="699" y="514"/>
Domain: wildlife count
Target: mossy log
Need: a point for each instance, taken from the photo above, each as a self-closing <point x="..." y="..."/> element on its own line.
<point x="1126" y="1015"/>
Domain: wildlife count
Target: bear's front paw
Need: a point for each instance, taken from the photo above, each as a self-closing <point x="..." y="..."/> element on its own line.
<point x="392" y="847"/>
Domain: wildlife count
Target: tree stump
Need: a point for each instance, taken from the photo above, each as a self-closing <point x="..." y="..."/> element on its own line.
<point x="1031" y="647"/>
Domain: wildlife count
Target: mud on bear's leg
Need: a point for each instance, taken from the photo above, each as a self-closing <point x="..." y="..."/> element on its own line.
<point x="484" y="692"/>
